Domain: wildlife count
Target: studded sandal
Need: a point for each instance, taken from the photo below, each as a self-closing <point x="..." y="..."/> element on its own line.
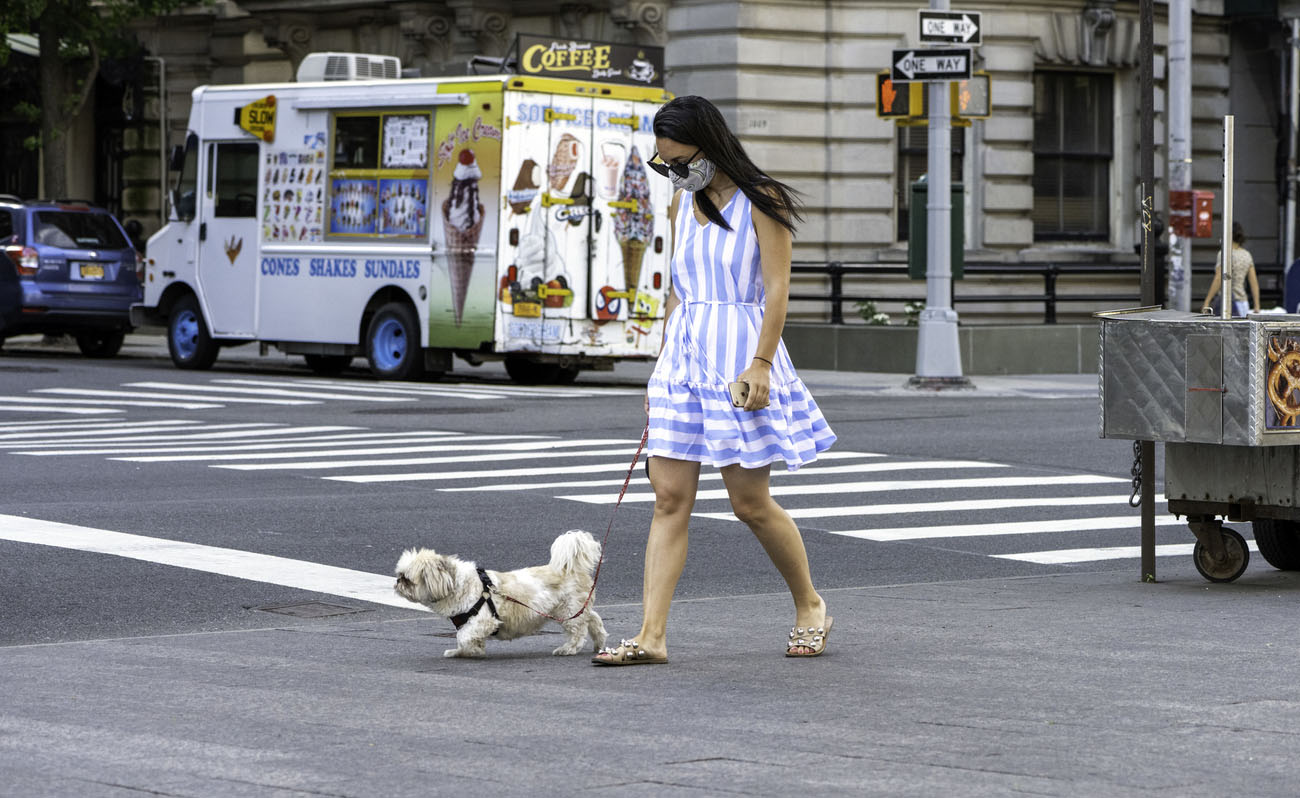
<point x="627" y="653"/>
<point x="810" y="637"/>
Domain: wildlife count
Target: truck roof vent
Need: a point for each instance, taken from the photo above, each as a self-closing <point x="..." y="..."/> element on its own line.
<point x="348" y="66"/>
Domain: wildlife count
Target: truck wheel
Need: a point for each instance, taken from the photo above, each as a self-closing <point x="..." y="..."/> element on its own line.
<point x="101" y="344"/>
<point x="393" y="343"/>
<point x="1279" y="543"/>
<point x="526" y="371"/>
<point x="1235" y="558"/>
<point x="327" y="365"/>
<point x="188" y="340"/>
<point x="566" y="375"/>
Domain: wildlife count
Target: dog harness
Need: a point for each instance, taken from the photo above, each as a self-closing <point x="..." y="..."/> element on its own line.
<point x="463" y="618"/>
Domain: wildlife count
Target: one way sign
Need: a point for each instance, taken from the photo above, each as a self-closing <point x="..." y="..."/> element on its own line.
<point x="930" y="65"/>
<point x="949" y="27"/>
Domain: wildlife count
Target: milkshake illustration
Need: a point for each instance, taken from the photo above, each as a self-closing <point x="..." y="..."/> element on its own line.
<point x="633" y="228"/>
<point x="462" y="217"/>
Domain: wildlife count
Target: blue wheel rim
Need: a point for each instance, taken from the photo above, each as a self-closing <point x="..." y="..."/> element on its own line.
<point x="388" y="343"/>
<point x="185" y="334"/>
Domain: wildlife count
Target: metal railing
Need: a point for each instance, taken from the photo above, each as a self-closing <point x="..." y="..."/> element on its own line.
<point x="1269" y="274"/>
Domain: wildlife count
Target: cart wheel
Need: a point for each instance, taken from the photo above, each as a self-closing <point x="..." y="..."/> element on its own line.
<point x="1279" y="543"/>
<point x="1235" y="558"/>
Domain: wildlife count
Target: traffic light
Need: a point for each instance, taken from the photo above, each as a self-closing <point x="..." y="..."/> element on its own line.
<point x="971" y="98"/>
<point x="898" y="100"/>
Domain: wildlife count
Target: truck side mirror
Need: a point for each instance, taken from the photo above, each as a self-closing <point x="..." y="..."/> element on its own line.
<point x="177" y="158"/>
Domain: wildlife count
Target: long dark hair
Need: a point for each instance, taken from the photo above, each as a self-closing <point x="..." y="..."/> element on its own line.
<point x="696" y="122"/>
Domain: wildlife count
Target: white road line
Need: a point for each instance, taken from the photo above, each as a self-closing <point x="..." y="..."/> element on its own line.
<point x="373" y="389"/>
<point x="236" y="432"/>
<point x="513" y="390"/>
<point x="468" y="458"/>
<point x="1068" y="556"/>
<point x="856" y="468"/>
<point x="502" y="473"/>
<point x="118" y="400"/>
<point x="263" y="392"/>
<point x="86" y="427"/>
<point x="314" y="577"/>
<point x="64" y="429"/>
<point x="434" y="475"/>
<point x="872" y="487"/>
<point x="127" y="436"/>
<point x="473" y="443"/>
<point x="286" y="443"/>
<point x="1005" y="528"/>
<point x="126" y="397"/>
<point x="80" y="411"/>
<point x="963" y="505"/>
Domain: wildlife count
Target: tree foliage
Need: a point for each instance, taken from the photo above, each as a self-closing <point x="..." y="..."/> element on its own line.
<point x="74" y="36"/>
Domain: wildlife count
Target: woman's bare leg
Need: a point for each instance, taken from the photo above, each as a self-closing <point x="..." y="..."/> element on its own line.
<point x="675" y="483"/>
<point x="753" y="504"/>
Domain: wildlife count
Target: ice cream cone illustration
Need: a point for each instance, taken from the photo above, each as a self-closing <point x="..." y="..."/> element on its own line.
<point x="567" y="152"/>
<point x="462" y="217"/>
<point x="633" y="228"/>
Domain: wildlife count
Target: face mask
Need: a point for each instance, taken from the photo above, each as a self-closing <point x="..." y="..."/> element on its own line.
<point x="699" y="174"/>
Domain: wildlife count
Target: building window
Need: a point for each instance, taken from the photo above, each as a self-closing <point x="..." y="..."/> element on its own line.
<point x="913" y="160"/>
<point x="1073" y="148"/>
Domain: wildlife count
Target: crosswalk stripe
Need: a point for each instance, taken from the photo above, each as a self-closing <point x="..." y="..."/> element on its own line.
<point x="120" y="400"/>
<point x="1003" y="528"/>
<point x="961" y="505"/>
<point x="872" y="487"/>
<point x="1068" y="556"/>
<point x="434" y="475"/>
<point x="917" y="465"/>
<point x="60" y="428"/>
<point x="286" y="442"/>
<point x="81" y="411"/>
<point x="167" y="399"/>
<point x="315" y="396"/>
<point x="209" y="433"/>
<point x="513" y="390"/>
<point x="407" y="393"/>
<point x="514" y="454"/>
<point x="297" y="574"/>
<point x="472" y="442"/>
<point x="165" y="433"/>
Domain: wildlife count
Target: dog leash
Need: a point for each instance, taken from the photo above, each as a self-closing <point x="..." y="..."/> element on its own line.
<point x="645" y="436"/>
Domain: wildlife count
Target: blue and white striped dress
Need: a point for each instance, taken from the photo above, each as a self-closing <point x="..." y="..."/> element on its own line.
<point x="711" y="338"/>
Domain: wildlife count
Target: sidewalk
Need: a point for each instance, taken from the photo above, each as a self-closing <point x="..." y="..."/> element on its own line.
<point x="633" y="373"/>
<point x="1086" y="684"/>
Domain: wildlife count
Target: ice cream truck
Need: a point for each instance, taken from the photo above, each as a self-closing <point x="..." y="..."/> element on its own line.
<point x="410" y="221"/>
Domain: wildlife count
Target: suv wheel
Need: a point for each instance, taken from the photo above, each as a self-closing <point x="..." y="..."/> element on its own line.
<point x="101" y="344"/>
<point x="188" y="340"/>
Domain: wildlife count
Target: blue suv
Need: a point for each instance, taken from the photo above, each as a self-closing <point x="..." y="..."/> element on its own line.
<point x="77" y="272"/>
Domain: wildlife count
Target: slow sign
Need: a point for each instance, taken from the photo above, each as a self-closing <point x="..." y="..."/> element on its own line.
<point x="258" y="118"/>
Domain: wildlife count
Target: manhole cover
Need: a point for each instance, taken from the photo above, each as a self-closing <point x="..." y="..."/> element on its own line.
<point x="428" y="411"/>
<point x="29" y="369"/>
<point x="312" y="609"/>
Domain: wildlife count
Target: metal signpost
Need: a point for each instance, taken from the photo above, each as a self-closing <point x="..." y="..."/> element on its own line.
<point x="938" y="354"/>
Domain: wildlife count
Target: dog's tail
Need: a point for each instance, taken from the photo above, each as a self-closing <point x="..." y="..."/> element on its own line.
<point x="575" y="550"/>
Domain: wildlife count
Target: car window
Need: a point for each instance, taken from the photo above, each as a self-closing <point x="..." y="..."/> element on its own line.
<point x="71" y="230"/>
<point x="7" y="232"/>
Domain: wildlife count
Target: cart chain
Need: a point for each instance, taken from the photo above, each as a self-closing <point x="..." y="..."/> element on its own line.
<point x="1136" y="471"/>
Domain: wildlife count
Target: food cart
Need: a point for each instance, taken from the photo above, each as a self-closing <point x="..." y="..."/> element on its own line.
<point x="1223" y="395"/>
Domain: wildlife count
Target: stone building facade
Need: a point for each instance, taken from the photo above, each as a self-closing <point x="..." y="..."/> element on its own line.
<point x="1051" y="175"/>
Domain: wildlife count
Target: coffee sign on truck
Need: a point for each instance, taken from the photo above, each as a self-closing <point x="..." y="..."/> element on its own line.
<point x="603" y="62"/>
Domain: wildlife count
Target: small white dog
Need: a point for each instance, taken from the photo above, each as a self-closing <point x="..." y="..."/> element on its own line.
<point x="473" y="598"/>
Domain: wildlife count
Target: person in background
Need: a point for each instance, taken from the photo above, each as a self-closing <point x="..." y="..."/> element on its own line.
<point x="1243" y="271"/>
<point x="135" y="232"/>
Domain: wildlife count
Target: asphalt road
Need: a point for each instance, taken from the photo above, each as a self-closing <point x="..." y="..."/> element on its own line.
<point x="169" y="528"/>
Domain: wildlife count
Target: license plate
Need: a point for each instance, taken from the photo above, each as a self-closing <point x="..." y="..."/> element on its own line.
<point x="91" y="271"/>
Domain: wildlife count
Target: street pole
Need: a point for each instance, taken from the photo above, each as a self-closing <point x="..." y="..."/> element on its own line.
<point x="1293" y="111"/>
<point x="938" y="354"/>
<point x="1225" y="246"/>
<point x="1146" y="98"/>
<point x="1178" y="290"/>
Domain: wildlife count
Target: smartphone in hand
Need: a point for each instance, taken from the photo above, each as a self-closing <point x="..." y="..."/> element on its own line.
<point x="739" y="393"/>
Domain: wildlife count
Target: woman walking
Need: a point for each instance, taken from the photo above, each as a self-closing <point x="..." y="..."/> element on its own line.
<point x="1243" y="271"/>
<point x="732" y="231"/>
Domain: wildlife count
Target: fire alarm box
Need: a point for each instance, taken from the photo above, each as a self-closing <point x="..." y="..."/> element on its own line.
<point x="1191" y="213"/>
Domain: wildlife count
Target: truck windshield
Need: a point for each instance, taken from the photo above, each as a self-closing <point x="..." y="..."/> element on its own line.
<point x="72" y="230"/>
